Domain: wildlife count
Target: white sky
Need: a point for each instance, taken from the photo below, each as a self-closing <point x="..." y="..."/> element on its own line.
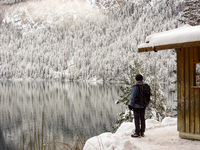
<point x="158" y="136"/>
<point x="183" y="34"/>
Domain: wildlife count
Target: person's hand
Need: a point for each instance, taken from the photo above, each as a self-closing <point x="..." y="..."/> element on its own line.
<point x="130" y="107"/>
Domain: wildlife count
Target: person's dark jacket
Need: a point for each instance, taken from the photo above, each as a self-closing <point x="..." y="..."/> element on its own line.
<point x="134" y="93"/>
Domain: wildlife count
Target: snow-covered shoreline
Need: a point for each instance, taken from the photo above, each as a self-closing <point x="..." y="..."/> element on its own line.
<point x="158" y="136"/>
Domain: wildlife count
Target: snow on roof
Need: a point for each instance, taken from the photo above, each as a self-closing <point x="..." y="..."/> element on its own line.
<point x="183" y="34"/>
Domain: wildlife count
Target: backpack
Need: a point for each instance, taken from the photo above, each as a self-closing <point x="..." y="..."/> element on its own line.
<point x="143" y="96"/>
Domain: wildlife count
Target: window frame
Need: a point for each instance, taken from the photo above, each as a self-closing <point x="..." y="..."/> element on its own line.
<point x="195" y="75"/>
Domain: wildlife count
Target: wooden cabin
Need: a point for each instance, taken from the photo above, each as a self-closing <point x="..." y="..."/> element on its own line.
<point x="186" y="42"/>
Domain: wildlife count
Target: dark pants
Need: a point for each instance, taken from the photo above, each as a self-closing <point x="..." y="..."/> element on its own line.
<point x="139" y="118"/>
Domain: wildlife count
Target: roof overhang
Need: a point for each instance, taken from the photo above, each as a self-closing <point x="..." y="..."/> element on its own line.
<point x="186" y="36"/>
<point x="171" y="46"/>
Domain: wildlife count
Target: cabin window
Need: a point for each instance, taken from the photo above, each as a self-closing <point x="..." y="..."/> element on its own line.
<point x="197" y="74"/>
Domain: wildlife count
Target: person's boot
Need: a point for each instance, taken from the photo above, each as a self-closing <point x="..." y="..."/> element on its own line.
<point x="142" y="134"/>
<point x="135" y="135"/>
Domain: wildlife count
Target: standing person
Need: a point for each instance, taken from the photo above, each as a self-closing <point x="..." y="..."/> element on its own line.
<point x="138" y="109"/>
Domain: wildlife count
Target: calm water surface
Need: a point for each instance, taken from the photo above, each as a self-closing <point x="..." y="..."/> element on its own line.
<point x="69" y="107"/>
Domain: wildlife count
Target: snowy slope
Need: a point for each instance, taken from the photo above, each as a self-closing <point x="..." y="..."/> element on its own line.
<point x="158" y="136"/>
<point x="46" y="13"/>
<point x="76" y="40"/>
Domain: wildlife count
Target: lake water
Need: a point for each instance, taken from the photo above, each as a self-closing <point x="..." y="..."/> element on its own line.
<point x="69" y="107"/>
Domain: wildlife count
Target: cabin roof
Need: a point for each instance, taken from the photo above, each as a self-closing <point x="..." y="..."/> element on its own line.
<point x="185" y="36"/>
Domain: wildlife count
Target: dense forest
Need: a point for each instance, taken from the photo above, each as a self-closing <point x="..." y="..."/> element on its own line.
<point x="84" y="40"/>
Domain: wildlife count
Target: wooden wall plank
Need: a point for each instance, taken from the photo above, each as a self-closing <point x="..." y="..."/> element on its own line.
<point x="192" y="83"/>
<point x="182" y="82"/>
<point x="198" y="53"/>
<point x="187" y="91"/>
<point x="197" y="126"/>
<point x="196" y="97"/>
<point x="197" y="111"/>
<point x="179" y="119"/>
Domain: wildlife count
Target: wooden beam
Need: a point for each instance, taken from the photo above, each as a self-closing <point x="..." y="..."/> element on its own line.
<point x="169" y="46"/>
<point x="189" y="136"/>
<point x="145" y="49"/>
<point x="195" y="87"/>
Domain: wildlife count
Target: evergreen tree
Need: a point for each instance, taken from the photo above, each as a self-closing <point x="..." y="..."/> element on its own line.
<point x="126" y="89"/>
<point x="157" y="108"/>
<point x="191" y="13"/>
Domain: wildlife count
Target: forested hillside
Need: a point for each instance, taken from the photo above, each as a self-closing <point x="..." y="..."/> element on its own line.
<point x="84" y="40"/>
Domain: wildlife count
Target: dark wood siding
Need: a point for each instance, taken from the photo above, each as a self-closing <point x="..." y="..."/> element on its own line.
<point x="188" y="95"/>
<point x="192" y="82"/>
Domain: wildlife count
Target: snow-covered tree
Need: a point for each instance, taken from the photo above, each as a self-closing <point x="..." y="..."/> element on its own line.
<point x="75" y="44"/>
<point x="125" y="96"/>
<point x="157" y="109"/>
<point x="191" y="13"/>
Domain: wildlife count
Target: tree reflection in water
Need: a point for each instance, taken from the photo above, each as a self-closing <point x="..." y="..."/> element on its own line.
<point x="69" y="107"/>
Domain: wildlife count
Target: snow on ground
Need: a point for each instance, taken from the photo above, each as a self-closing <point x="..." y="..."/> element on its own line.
<point x="158" y="136"/>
